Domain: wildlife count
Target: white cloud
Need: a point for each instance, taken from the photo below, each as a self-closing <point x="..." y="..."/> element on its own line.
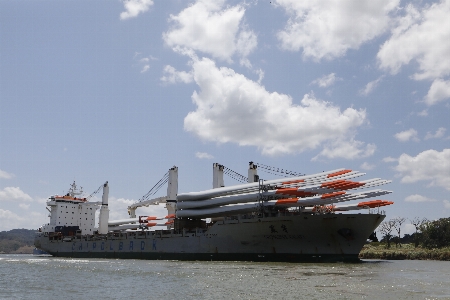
<point x="13" y="193"/>
<point x="232" y="108"/>
<point x="246" y="42"/>
<point x="208" y="27"/>
<point x="260" y="75"/>
<point x="134" y="8"/>
<point x="245" y="62"/>
<point x="422" y="36"/>
<point x="348" y="149"/>
<point x="143" y="62"/>
<point x="10" y="220"/>
<point x="24" y="206"/>
<point x="404" y="136"/>
<point x="390" y="159"/>
<point x="439" y="134"/>
<point x="171" y="75"/>
<point x="42" y="200"/>
<point x="366" y="166"/>
<point x="5" y="175"/>
<point x="370" y="87"/>
<point x="203" y="155"/>
<point x="326" y="80"/>
<point x="418" y="198"/>
<point x="429" y="165"/>
<point x="439" y="91"/>
<point x="423" y="113"/>
<point x="327" y="29"/>
<point x="145" y="68"/>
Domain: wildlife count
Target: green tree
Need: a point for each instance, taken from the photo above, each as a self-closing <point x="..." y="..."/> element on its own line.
<point x="436" y="234"/>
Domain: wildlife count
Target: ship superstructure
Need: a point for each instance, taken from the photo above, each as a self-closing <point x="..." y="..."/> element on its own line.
<point x="71" y="210"/>
<point x="291" y="219"/>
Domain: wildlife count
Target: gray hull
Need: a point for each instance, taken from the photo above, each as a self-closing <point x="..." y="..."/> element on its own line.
<point x="329" y="237"/>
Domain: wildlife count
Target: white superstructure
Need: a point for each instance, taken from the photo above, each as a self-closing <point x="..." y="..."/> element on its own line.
<point x="71" y="210"/>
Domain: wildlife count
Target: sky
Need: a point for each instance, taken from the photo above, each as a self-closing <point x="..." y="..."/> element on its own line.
<point x="121" y="91"/>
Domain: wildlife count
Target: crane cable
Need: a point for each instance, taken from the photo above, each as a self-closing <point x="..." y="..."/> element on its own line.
<point x="156" y="187"/>
<point x="94" y="193"/>
<point x="236" y="176"/>
<point x="277" y="171"/>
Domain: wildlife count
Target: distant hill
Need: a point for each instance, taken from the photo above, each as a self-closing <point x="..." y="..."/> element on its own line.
<point x="17" y="241"/>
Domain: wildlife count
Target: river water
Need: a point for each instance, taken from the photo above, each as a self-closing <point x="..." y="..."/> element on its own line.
<point x="31" y="277"/>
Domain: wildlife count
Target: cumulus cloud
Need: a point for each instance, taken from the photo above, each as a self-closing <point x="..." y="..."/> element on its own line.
<point x="348" y="149"/>
<point x="326" y="80"/>
<point x="390" y="159"/>
<point x="5" y="175"/>
<point x="13" y="193"/>
<point x="134" y="8"/>
<point x="366" y="166"/>
<point x="439" y="91"/>
<point x="171" y="75"/>
<point x="437" y="135"/>
<point x="430" y="165"/>
<point x="421" y="36"/>
<point x="203" y="155"/>
<point x="370" y="87"/>
<point x="327" y="29"/>
<point x="404" y="136"/>
<point x="233" y="108"/>
<point x="12" y="220"/>
<point x="208" y="27"/>
<point x="9" y="220"/>
<point x="418" y="198"/>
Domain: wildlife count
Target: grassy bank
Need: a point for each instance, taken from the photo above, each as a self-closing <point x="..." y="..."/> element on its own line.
<point x="405" y="251"/>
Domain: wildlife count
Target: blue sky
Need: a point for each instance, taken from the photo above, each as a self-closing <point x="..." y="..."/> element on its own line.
<point x="123" y="90"/>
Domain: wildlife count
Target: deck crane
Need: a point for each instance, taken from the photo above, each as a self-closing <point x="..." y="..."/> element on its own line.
<point x="171" y="177"/>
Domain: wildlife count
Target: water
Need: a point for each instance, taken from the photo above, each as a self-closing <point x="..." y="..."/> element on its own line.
<point x="28" y="277"/>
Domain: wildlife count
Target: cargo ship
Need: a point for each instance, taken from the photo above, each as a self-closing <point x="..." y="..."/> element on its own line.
<point x="294" y="219"/>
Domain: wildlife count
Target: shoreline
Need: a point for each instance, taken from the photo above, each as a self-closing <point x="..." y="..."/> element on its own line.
<point x="369" y="251"/>
<point x="403" y="252"/>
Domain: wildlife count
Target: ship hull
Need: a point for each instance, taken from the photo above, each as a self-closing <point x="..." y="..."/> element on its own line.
<point x="300" y="238"/>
